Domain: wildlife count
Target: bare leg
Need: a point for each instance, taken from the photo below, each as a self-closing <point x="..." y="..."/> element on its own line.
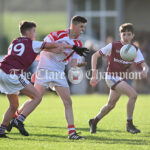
<point x="126" y="89"/>
<point x="64" y="94"/>
<point x="22" y="107"/>
<point x="121" y="88"/>
<point x="30" y="105"/>
<point x="26" y="109"/>
<point x="41" y="89"/>
<point x="113" y="98"/>
<point x="13" y="100"/>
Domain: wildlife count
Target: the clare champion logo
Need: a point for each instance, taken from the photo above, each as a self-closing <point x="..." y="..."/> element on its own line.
<point x="75" y="75"/>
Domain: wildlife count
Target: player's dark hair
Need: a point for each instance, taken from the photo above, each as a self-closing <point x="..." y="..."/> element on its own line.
<point x="126" y="27"/>
<point x="25" y="25"/>
<point x="78" y="19"/>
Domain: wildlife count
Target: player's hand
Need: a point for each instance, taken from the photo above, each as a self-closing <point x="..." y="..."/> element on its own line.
<point x="143" y="74"/>
<point x="82" y="51"/>
<point x="93" y="82"/>
<point x="82" y="64"/>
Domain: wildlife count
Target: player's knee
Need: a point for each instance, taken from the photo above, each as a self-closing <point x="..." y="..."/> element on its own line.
<point x="38" y="98"/>
<point x="133" y="96"/>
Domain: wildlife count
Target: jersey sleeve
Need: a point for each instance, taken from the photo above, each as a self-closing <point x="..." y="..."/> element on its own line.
<point x="37" y="46"/>
<point x="139" y="58"/>
<point x="106" y="51"/>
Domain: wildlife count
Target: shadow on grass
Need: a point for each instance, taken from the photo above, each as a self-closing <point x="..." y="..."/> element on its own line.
<point x="89" y="139"/>
<point x="45" y="137"/>
<point x="118" y="140"/>
<point x="81" y="129"/>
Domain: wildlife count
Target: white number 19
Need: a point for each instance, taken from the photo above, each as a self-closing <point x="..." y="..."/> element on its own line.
<point x="17" y="48"/>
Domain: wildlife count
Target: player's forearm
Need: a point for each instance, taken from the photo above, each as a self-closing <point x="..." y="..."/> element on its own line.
<point x="55" y="45"/>
<point x="94" y="64"/>
<point x="67" y="46"/>
<point x="57" y="50"/>
<point x="50" y="45"/>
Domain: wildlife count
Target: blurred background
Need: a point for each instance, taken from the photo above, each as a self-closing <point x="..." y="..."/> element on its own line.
<point x="104" y="18"/>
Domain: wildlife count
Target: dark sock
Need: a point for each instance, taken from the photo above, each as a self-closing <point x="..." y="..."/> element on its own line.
<point x="2" y="129"/>
<point x="129" y="122"/>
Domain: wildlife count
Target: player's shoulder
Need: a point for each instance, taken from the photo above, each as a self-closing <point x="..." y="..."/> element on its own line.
<point x="59" y="33"/>
<point x="22" y="40"/>
<point x="55" y="35"/>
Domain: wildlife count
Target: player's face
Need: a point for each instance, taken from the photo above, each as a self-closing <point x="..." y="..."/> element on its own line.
<point x="32" y="33"/>
<point x="79" y="28"/>
<point x="126" y="37"/>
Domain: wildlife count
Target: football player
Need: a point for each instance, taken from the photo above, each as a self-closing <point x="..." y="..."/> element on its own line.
<point x="55" y="64"/>
<point x="114" y="78"/>
<point x="21" y="53"/>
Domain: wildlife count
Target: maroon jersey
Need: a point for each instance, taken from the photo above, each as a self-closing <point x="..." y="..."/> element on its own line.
<point x="21" y="54"/>
<point x="115" y="62"/>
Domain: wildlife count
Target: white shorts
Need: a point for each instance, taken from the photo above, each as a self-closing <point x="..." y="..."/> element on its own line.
<point x="51" y="79"/>
<point x="11" y="83"/>
<point x="112" y="81"/>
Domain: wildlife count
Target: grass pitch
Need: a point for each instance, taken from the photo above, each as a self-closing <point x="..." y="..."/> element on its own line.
<point x="48" y="128"/>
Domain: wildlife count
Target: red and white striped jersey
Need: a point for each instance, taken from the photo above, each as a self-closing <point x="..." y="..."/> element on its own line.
<point x="54" y="61"/>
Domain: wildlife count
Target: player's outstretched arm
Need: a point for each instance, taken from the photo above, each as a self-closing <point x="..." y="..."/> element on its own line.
<point x="49" y="45"/>
<point x="57" y="50"/>
<point x="56" y="47"/>
<point x="94" y="79"/>
<point x="82" y="51"/>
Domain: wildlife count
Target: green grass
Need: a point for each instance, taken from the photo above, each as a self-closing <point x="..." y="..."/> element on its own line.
<point x="46" y="22"/>
<point x="47" y="125"/>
